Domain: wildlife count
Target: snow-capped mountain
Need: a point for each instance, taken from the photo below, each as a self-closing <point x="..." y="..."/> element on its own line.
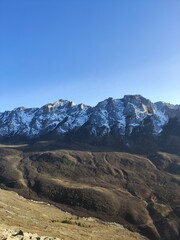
<point x="62" y="117"/>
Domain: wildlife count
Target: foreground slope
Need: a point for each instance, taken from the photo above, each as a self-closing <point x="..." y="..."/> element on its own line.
<point x="23" y="219"/>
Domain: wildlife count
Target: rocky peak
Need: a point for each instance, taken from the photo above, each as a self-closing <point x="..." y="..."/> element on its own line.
<point x="107" y="114"/>
<point x="64" y="116"/>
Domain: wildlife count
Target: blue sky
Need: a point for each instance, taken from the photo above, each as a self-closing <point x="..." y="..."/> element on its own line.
<point x="88" y="50"/>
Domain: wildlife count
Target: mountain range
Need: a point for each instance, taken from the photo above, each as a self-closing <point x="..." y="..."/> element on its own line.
<point x="114" y="122"/>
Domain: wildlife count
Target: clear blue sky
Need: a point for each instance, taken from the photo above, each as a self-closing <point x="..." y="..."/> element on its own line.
<point x="88" y="50"/>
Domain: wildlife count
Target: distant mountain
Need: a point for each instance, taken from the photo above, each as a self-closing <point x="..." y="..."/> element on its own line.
<point x="119" y="120"/>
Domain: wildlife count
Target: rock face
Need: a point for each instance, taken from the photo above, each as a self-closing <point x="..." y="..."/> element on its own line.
<point x="62" y="117"/>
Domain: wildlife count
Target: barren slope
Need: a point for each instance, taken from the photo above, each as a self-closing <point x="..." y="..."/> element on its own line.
<point x="17" y="213"/>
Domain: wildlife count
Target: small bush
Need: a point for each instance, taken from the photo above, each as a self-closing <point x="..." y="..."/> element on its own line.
<point x="67" y="221"/>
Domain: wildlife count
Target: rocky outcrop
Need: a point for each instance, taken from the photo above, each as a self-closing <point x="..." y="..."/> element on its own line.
<point x="7" y="234"/>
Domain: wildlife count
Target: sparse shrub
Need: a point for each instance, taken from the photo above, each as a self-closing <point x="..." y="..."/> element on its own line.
<point x="66" y="221"/>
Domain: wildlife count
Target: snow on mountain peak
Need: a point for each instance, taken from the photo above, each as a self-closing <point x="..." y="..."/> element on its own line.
<point x="63" y="116"/>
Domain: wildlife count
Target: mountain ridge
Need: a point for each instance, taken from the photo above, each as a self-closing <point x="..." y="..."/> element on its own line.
<point x="122" y="118"/>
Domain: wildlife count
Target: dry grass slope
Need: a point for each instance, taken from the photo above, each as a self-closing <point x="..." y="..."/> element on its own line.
<point x="18" y="213"/>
